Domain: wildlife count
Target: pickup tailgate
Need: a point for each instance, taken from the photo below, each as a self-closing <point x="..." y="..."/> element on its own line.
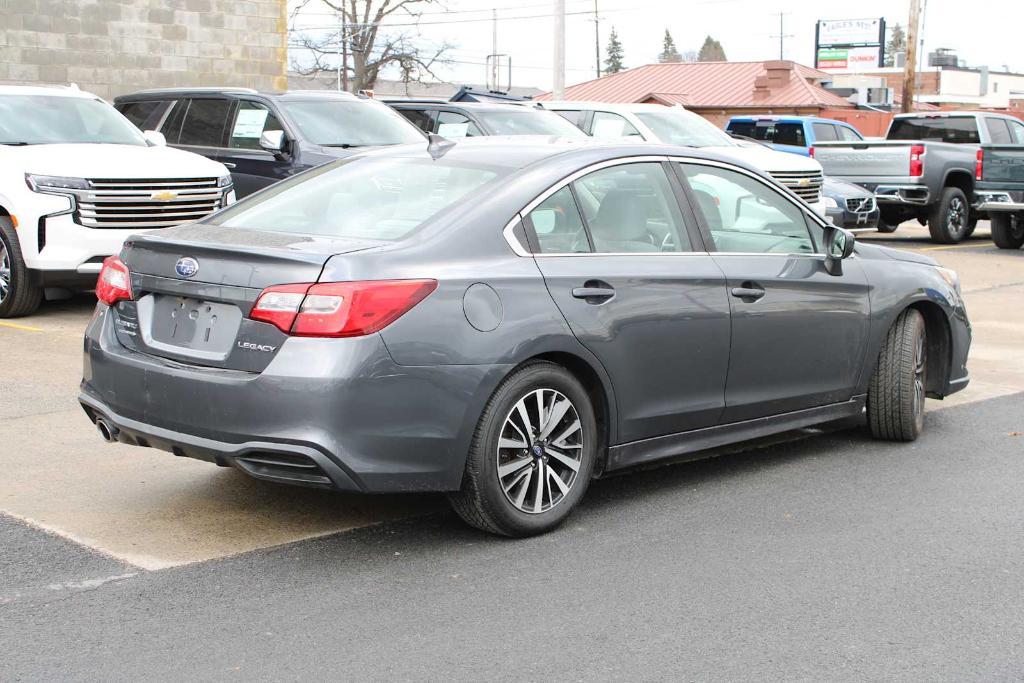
<point x="876" y="159"/>
<point x="1003" y="164"/>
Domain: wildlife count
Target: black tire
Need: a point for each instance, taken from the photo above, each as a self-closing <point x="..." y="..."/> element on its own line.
<point x="886" y="227"/>
<point x="19" y="295"/>
<point x="972" y="225"/>
<point x="482" y="501"/>
<point x="1007" y="230"/>
<point x="950" y="217"/>
<point x="896" y="393"/>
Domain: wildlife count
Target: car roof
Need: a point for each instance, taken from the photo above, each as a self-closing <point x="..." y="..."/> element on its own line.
<point x="948" y="114"/>
<point x="468" y="106"/>
<point x="519" y="151"/>
<point x="608" y="106"/>
<point x="48" y="90"/>
<point x="285" y="95"/>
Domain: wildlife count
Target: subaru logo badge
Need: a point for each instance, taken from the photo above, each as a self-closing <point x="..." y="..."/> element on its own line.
<point x="186" y="267"/>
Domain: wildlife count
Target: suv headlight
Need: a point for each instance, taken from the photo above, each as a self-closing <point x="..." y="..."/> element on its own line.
<point x="225" y="181"/>
<point x="52" y="183"/>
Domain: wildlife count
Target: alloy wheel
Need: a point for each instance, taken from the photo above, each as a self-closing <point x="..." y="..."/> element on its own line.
<point x="956" y="216"/>
<point x="5" y="272"/>
<point x="920" y="359"/>
<point x="540" y="450"/>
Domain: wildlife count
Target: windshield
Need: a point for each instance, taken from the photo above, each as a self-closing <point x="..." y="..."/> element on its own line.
<point x="53" y="119"/>
<point x="340" y="123"/>
<point x="684" y="128"/>
<point x="367" y="198"/>
<point x="520" y="121"/>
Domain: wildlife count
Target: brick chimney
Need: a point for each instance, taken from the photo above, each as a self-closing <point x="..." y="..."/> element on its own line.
<point x="778" y="72"/>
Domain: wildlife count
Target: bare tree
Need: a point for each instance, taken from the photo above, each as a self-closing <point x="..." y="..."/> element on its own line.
<point x="371" y="46"/>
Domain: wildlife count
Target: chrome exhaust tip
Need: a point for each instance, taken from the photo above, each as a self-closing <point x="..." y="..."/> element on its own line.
<point x="107" y="431"/>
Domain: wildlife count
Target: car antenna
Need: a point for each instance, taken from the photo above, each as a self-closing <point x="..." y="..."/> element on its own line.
<point x="438" y="146"/>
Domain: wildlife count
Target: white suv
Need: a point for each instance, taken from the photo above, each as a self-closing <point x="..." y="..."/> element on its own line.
<point x="76" y="178"/>
<point x="677" y="126"/>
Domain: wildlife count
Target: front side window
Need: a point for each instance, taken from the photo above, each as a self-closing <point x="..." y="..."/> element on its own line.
<point x="204" y="124"/>
<point x="451" y="124"/>
<point x="745" y="215"/>
<point x="252" y="119"/>
<point x="558" y="226"/>
<point x="824" y="132"/>
<point x="631" y="208"/>
<point x="55" y="119"/>
<point x="348" y="123"/>
<point x="608" y="126"/>
<point x="368" y="198"/>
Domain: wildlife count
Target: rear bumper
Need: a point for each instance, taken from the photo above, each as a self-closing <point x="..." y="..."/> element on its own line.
<point x="334" y="413"/>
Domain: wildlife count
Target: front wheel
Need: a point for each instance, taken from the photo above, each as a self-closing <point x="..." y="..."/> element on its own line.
<point x="532" y="454"/>
<point x="18" y="294"/>
<point x="886" y="227"/>
<point x="950" y="219"/>
<point x="1007" y="230"/>
<point x="896" y="393"/>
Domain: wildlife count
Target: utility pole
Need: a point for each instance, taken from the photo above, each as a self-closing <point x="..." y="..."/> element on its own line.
<point x="494" y="49"/>
<point x="558" y="86"/>
<point x="597" y="41"/>
<point x="782" y="35"/>
<point x="910" y="68"/>
<point x="344" y="52"/>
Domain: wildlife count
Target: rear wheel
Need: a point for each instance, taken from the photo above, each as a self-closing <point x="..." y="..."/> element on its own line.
<point x="1008" y="230"/>
<point x="950" y="218"/>
<point x="532" y="454"/>
<point x="18" y="294"/>
<point x="896" y="393"/>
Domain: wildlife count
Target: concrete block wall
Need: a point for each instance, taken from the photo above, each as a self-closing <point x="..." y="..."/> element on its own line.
<point x="114" y="47"/>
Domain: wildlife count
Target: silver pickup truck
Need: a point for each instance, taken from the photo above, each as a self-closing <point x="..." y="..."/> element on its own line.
<point x="925" y="168"/>
<point x="999" y="191"/>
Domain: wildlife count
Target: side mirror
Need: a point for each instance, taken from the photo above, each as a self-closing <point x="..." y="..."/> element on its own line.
<point x="273" y="141"/>
<point x="838" y="246"/>
<point x="155" y="138"/>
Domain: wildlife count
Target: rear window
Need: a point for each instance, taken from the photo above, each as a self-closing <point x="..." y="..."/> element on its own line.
<point x="771" y="132"/>
<point x="342" y="123"/>
<point x="998" y="130"/>
<point x="367" y="198"/>
<point x="140" y="113"/>
<point x="955" y="129"/>
<point x="522" y="121"/>
<point x="745" y="128"/>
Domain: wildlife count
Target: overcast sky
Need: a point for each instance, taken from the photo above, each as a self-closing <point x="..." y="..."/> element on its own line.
<point x="983" y="32"/>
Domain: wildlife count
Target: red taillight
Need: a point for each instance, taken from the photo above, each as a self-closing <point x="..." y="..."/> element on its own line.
<point x="810" y="152"/>
<point x="339" y="309"/>
<point x="114" y="283"/>
<point x="916" y="161"/>
<point x="979" y="164"/>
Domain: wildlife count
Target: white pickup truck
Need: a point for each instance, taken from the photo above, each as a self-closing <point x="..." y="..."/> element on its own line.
<point x="76" y="178"/>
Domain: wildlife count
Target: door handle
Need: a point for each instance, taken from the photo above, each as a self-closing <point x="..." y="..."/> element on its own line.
<point x="594" y="292"/>
<point x="748" y="292"/>
<point x="228" y="164"/>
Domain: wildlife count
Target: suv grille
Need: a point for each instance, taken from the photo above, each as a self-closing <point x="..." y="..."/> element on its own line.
<point x="860" y="204"/>
<point x="156" y="203"/>
<point x="805" y="184"/>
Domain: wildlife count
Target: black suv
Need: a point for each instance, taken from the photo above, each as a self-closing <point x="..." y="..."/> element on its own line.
<point x="462" y="119"/>
<point x="264" y="137"/>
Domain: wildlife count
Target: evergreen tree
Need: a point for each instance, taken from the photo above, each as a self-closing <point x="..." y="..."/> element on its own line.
<point x="613" y="63"/>
<point x="711" y="51"/>
<point x="897" y="43"/>
<point x="669" y="53"/>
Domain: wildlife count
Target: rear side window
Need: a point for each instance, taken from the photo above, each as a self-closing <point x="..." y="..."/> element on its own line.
<point x="451" y="124"/>
<point x="848" y="134"/>
<point x="420" y="118"/>
<point x="145" y="115"/>
<point x="824" y="132"/>
<point x="558" y="226"/>
<point x="789" y="134"/>
<point x="205" y="123"/>
<point x="251" y="120"/>
<point x="998" y="130"/>
<point x="573" y="116"/>
<point x="955" y="129"/>
<point x="384" y="198"/>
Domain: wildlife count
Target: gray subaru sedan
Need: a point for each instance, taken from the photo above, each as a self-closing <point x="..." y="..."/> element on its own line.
<point x="506" y="319"/>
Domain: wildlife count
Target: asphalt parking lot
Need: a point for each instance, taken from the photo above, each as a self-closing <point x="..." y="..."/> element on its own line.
<point x="828" y="555"/>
